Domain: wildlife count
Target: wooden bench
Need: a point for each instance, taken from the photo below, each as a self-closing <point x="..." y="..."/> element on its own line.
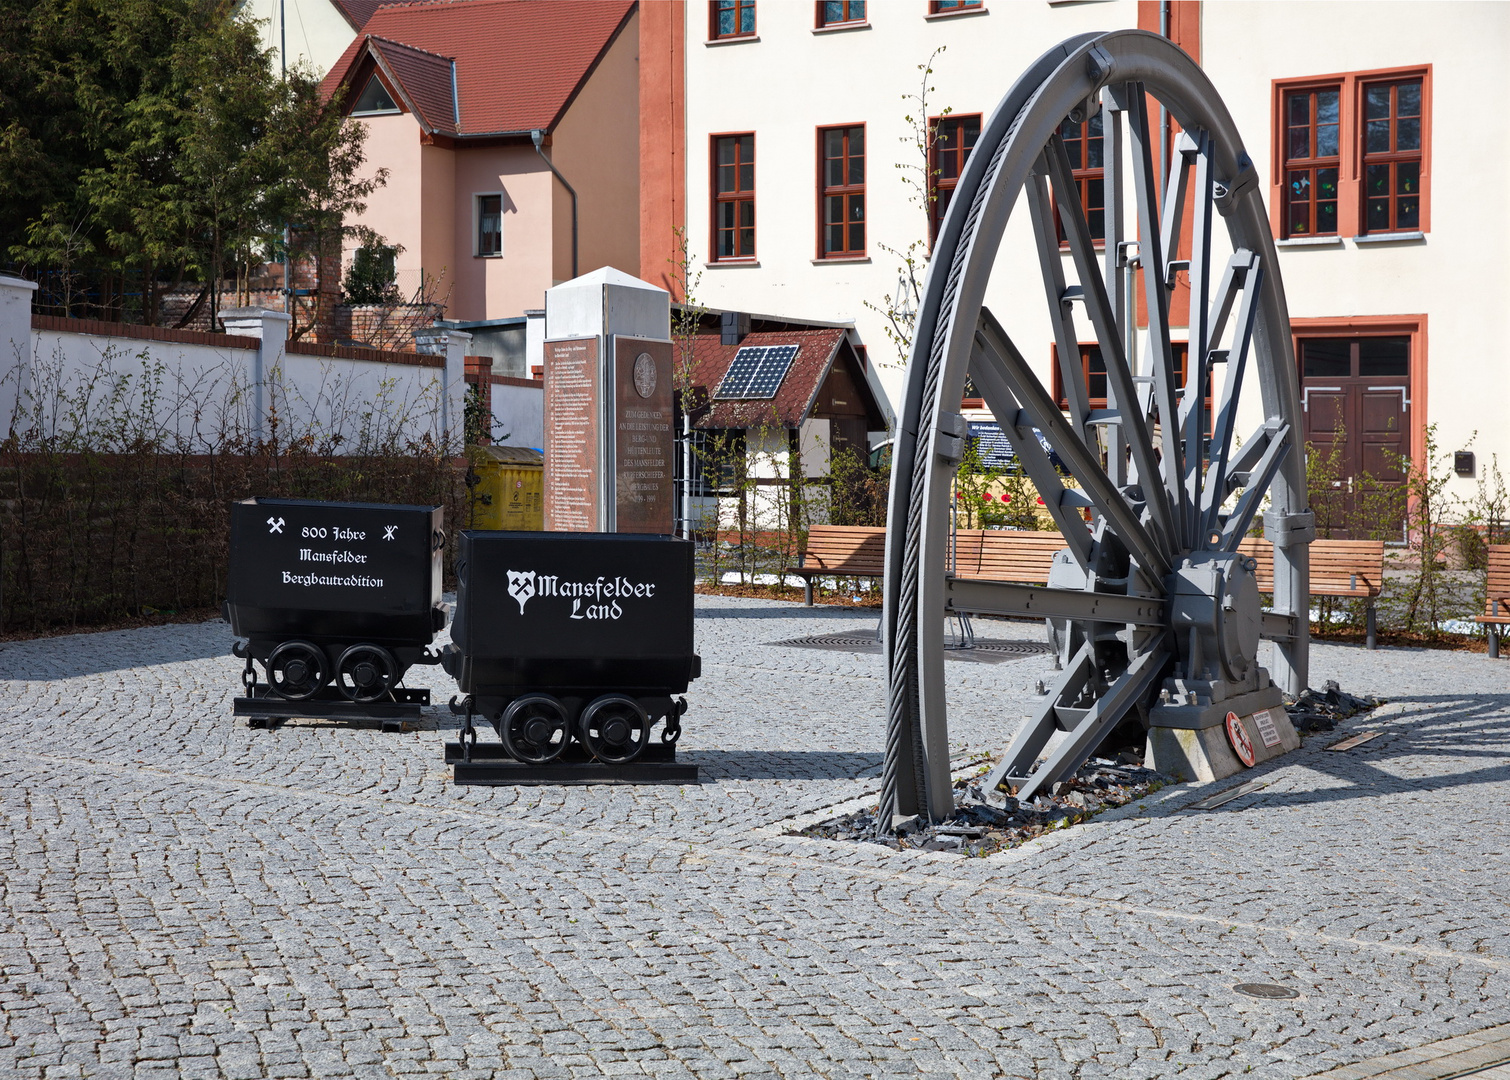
<point x="1352" y="569"/>
<point x="841" y="551"/>
<point x="1006" y="554"/>
<point x="1496" y="596"/>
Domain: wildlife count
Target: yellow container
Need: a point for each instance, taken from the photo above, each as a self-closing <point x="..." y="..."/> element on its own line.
<point x="510" y="488"/>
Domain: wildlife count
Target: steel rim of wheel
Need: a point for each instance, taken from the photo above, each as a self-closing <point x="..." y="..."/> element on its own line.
<point x="296" y="670"/>
<point x="615" y="728"/>
<point x="535" y="729"/>
<point x="1017" y="160"/>
<point x="365" y="673"/>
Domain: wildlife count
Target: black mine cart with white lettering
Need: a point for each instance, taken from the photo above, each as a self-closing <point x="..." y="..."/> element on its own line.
<point x="335" y="601"/>
<point x="574" y="646"/>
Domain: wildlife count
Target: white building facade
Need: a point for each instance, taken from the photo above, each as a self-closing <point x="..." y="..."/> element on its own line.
<point x="1366" y="126"/>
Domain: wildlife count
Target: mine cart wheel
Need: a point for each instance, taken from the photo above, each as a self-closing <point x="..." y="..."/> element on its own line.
<point x="615" y="728"/>
<point x="535" y="729"/>
<point x="296" y="670"/>
<point x="1157" y="609"/>
<point x="366" y="672"/>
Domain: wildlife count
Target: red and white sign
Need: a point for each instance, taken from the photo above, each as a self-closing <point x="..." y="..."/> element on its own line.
<point x="1238" y="737"/>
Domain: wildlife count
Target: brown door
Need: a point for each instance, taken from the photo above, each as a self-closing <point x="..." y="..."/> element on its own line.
<point x="1355" y="394"/>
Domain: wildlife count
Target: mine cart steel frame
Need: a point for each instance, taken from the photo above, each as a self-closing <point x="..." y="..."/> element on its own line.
<point x="336" y="601"/>
<point x="573" y="647"/>
<point x="1154" y="612"/>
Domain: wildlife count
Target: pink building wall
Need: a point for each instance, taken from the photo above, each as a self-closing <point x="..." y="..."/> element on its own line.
<point x="428" y="203"/>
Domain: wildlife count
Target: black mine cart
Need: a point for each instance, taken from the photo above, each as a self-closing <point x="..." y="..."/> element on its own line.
<point x="574" y="647"/>
<point x="336" y="601"/>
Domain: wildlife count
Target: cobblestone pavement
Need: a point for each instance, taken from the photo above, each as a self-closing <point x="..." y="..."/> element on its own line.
<point x="183" y="896"/>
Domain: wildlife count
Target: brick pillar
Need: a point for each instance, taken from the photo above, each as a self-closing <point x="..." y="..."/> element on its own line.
<point x="479" y="371"/>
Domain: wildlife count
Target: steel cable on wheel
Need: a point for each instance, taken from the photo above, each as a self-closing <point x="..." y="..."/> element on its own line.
<point x="1153" y="595"/>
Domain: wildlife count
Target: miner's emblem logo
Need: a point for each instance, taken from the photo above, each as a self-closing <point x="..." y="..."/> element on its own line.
<point x="644" y="374"/>
<point x="521" y="586"/>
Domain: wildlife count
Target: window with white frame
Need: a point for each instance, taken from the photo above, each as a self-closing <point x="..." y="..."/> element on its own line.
<point x="490" y="225"/>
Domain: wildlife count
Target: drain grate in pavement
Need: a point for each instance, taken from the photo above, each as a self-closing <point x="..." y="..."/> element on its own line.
<point x="986" y="650"/>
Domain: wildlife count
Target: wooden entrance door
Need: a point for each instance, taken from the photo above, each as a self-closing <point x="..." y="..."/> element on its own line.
<point x="1355" y="393"/>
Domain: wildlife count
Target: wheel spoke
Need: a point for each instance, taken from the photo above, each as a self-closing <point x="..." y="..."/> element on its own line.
<point x="996" y="349"/>
<point x="1151" y="251"/>
<point x="1193" y="417"/>
<point x="1066" y="341"/>
<point x="1215" y="492"/>
<point x="997" y="393"/>
<point x="985" y="597"/>
<point x="1259" y="480"/>
<point x="1105" y="714"/>
<point x="1033" y="736"/>
<point x="1116" y="269"/>
<point x="1122" y="392"/>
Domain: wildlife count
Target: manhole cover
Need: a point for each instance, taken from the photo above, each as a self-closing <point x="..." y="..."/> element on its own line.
<point x="864" y="641"/>
<point x="1266" y="990"/>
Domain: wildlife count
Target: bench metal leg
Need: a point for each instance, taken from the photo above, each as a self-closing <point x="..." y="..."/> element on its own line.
<point x="1494" y="642"/>
<point x="1371" y="625"/>
<point x="807" y="591"/>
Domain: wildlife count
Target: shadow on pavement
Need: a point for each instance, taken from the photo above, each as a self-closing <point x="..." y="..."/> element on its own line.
<point x="788" y="611"/>
<point x="1470" y="735"/>
<point x="782" y="764"/>
<point x="79" y="655"/>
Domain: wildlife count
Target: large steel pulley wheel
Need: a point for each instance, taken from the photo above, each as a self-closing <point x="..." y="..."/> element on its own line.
<point x="615" y="728"/>
<point x="296" y="670"/>
<point x="366" y="673"/>
<point x="1154" y="611"/>
<point x="535" y="729"/>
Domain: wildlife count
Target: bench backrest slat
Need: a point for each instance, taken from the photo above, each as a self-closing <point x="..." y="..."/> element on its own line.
<point x="1498" y="579"/>
<point x="1338" y="567"/>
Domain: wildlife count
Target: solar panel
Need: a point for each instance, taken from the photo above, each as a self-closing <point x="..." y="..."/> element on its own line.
<point x="756" y="372"/>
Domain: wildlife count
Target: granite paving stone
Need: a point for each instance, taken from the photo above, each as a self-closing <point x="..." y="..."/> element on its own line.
<point x="181" y="895"/>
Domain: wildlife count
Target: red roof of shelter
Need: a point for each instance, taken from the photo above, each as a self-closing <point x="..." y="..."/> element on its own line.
<point x="797" y="393"/>
<point x="518" y="63"/>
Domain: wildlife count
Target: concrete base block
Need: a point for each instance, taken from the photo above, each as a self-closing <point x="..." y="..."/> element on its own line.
<point x="1205" y="754"/>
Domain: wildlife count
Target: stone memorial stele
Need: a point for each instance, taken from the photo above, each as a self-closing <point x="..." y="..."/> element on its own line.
<point x="609" y="388"/>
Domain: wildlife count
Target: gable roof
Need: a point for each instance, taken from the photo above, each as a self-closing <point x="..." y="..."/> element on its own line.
<point x="794" y="400"/>
<point x="484" y="67"/>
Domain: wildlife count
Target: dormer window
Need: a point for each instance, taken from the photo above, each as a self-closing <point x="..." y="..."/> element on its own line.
<point x="374" y="99"/>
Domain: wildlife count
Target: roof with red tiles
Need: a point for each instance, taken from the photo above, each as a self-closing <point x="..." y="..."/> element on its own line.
<point x="794" y="398"/>
<point x="518" y="63"/>
<point x="424" y="78"/>
<point x="357" y="12"/>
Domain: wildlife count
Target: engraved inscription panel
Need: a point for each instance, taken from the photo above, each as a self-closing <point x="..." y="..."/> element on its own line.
<point x="643" y="435"/>
<point x="572" y="443"/>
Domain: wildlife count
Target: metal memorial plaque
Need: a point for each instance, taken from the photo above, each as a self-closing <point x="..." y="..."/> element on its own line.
<point x="643" y="437"/>
<point x="573" y="445"/>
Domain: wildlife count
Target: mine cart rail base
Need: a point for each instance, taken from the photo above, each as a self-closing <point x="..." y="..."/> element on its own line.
<point x="491" y="765"/>
<point x="263" y="707"/>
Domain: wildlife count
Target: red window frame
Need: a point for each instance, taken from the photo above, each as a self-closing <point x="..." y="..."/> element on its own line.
<point x="1391" y="174"/>
<point x="1181" y="351"/>
<point x="732" y="193"/>
<point x="1312" y="159"/>
<point x="1080" y="140"/>
<point x="1355" y="157"/>
<point x="848" y="11"/>
<point x="951" y="138"/>
<point x="846" y="196"/>
<point x="744" y="12"/>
